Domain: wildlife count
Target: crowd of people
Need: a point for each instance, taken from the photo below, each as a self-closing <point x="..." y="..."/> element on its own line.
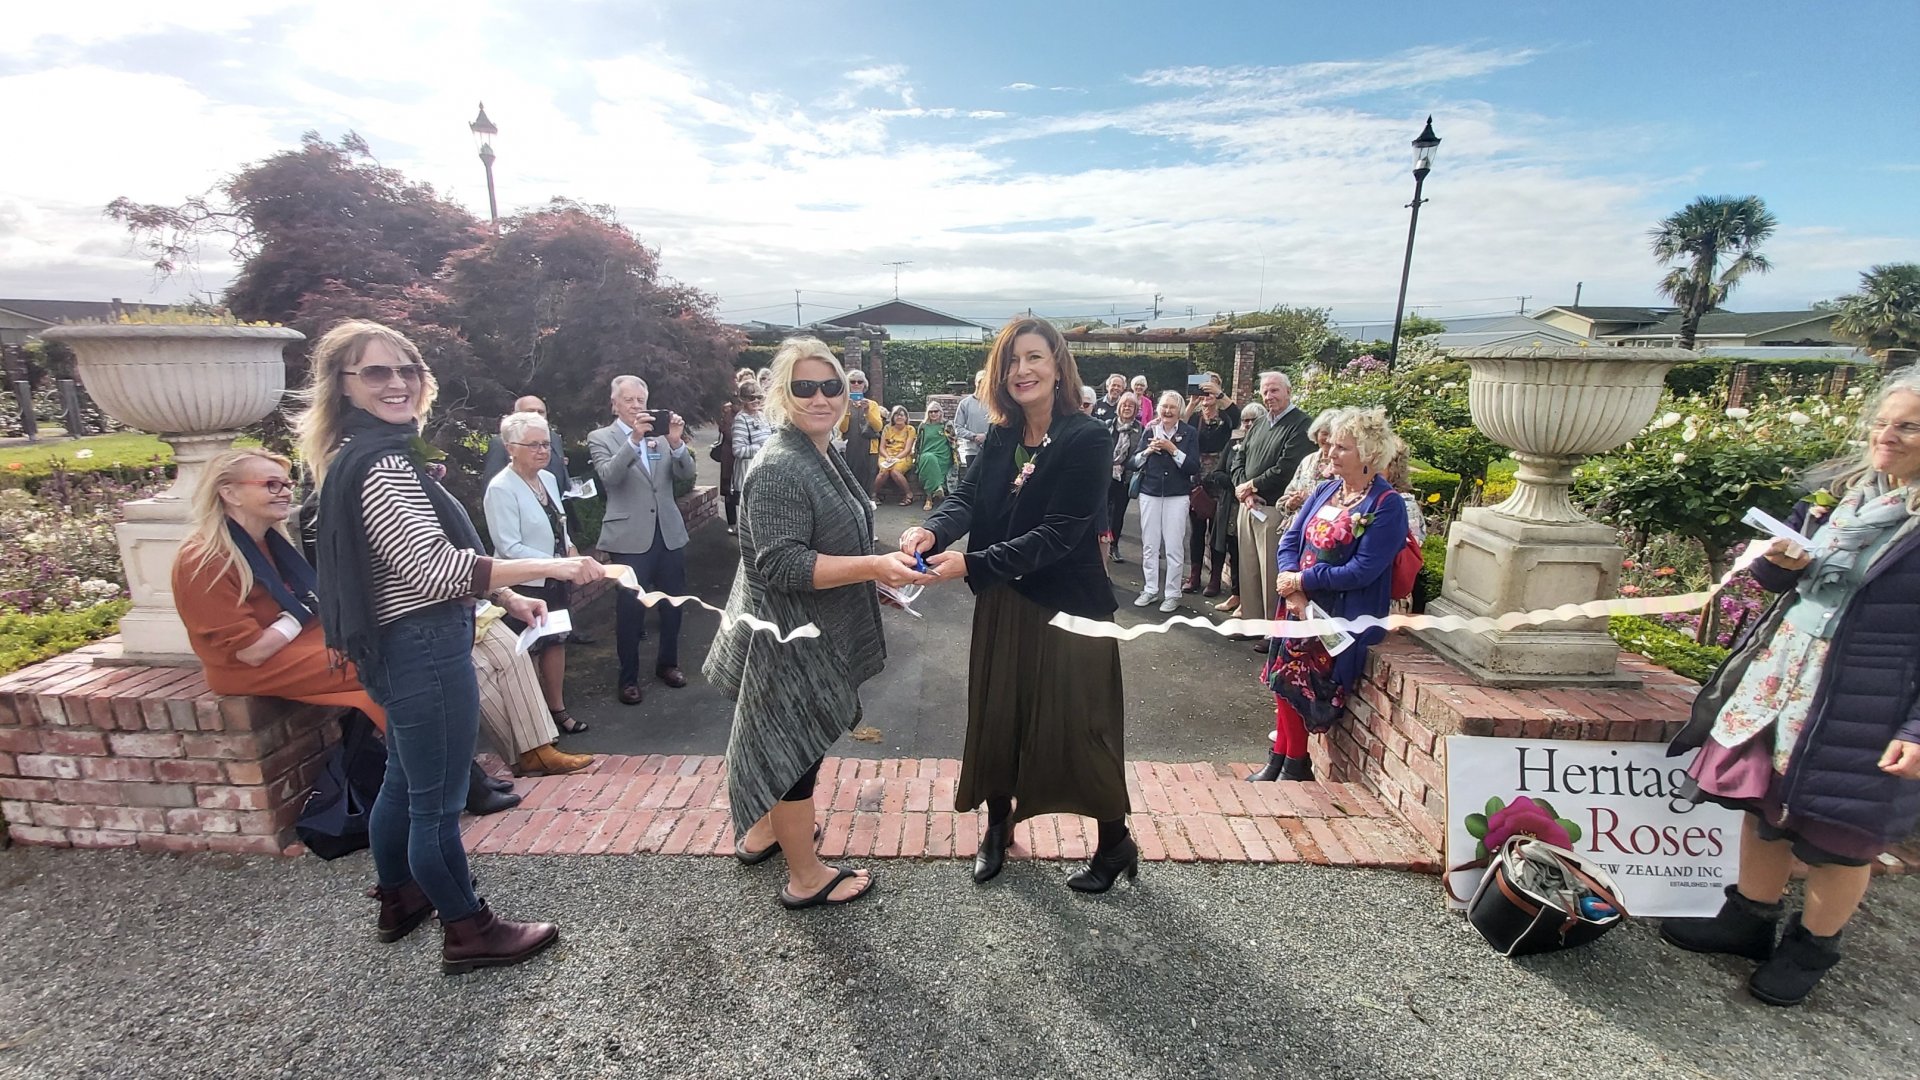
<point x="391" y="603"/>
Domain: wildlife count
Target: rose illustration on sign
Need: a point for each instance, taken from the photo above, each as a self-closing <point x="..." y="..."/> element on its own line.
<point x="1522" y="817"/>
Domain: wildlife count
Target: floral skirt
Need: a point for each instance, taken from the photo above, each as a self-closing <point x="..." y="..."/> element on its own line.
<point x="1743" y="778"/>
<point x="1300" y="671"/>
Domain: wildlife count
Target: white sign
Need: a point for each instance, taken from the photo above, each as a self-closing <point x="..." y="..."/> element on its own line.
<point x="1619" y="805"/>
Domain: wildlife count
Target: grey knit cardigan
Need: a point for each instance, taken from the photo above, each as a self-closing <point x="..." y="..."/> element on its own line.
<point x="792" y="702"/>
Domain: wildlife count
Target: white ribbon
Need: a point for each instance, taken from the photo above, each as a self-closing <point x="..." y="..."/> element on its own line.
<point x="1479" y="624"/>
<point x="624" y="576"/>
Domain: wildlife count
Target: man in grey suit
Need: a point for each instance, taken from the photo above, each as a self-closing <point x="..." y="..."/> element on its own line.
<point x="643" y="527"/>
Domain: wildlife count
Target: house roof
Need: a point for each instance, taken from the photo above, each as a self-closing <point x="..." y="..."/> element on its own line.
<point x="1501" y="330"/>
<point x="1614" y="314"/>
<point x="52" y="312"/>
<point x="1743" y="323"/>
<point x="898" y="312"/>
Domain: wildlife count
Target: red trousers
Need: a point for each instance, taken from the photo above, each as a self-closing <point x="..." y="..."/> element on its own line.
<point x="1289" y="730"/>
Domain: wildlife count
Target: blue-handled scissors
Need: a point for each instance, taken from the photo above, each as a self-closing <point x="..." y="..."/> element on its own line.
<point x="920" y="562"/>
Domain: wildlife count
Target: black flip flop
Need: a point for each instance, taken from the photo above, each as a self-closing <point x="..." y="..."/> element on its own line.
<point x="755" y="858"/>
<point x="824" y="897"/>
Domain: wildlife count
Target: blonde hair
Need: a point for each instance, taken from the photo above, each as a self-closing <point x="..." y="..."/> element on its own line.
<point x="792" y="351"/>
<point x="210" y="542"/>
<point x="1373" y="437"/>
<point x="1846" y="474"/>
<point x="317" y="426"/>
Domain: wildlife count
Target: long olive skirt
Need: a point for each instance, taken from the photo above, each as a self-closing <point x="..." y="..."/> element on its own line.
<point x="1046" y="717"/>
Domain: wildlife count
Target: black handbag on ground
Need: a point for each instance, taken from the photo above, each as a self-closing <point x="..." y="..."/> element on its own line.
<point x="334" y="822"/>
<point x="1537" y="898"/>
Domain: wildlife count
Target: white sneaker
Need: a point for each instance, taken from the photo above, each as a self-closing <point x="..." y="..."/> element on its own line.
<point x="1170" y="604"/>
<point x="1143" y="599"/>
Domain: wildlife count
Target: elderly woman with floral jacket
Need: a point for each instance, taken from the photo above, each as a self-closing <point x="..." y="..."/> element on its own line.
<point x="1812" y="725"/>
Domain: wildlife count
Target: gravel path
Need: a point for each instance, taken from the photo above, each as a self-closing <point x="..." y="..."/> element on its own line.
<point x="217" y="966"/>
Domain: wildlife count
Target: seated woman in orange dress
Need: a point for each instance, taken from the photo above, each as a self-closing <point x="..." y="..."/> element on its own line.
<point x="246" y="594"/>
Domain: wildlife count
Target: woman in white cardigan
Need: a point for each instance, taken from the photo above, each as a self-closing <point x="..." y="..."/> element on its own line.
<point x="526" y="521"/>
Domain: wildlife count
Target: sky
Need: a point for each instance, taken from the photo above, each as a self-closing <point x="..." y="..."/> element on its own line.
<point x="1076" y="158"/>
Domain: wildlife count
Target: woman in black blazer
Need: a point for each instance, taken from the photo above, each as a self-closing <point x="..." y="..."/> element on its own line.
<point x="1045" y="710"/>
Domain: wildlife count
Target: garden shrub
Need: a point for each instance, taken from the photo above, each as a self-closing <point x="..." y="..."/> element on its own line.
<point x="1671" y="649"/>
<point x="1430" y="482"/>
<point x="27" y="639"/>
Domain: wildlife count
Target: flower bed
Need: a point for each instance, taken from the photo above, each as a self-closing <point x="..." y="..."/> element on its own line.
<point x="61" y="584"/>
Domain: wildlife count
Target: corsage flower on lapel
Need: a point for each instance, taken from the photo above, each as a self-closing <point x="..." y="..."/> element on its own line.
<point x="1020" y="478"/>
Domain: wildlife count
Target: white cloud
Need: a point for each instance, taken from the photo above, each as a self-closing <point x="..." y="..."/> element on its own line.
<point x="1210" y="179"/>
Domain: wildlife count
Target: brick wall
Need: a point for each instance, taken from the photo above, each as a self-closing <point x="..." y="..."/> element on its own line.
<point x="1394" y="741"/>
<point x="102" y="755"/>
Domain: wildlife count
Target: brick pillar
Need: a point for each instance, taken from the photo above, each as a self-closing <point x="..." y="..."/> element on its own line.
<point x="1244" y="362"/>
<point x="877" y="370"/>
<point x="1841" y="379"/>
<point x="1739" y="385"/>
<point x="856" y="357"/>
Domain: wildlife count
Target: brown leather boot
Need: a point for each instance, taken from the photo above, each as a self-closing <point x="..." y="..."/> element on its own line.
<point x="550" y="760"/>
<point x="1213" y="582"/>
<point x="480" y="940"/>
<point x="402" y="908"/>
<point x="1193" y="580"/>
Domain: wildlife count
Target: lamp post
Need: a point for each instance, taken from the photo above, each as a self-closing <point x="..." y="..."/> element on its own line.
<point x="483" y="133"/>
<point x="1425" y="145"/>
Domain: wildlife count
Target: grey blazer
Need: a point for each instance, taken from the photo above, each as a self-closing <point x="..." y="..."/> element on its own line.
<point x="516" y="523"/>
<point x="637" y="498"/>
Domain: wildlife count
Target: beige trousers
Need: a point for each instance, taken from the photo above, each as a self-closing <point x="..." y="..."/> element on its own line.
<point x="1258" y="542"/>
<point x="513" y="711"/>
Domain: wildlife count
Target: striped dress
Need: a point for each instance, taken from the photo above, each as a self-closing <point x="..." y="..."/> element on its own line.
<point x="414" y="564"/>
<point x="794" y="701"/>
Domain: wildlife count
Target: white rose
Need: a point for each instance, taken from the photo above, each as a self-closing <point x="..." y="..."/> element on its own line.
<point x="1679" y="459"/>
<point x="1690" y="434"/>
<point x="1666" y="421"/>
<point x="1798" y="418"/>
<point x="1738" y="413"/>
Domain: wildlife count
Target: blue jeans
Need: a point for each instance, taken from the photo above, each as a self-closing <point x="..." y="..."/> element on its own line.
<point x="658" y="570"/>
<point x="423" y="676"/>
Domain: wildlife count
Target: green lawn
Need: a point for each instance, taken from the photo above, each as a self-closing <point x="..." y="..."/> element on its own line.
<point x="125" y="447"/>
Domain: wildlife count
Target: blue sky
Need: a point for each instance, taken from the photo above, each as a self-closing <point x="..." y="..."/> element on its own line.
<point x="1078" y="158"/>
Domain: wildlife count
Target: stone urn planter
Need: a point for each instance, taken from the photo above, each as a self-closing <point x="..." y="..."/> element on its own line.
<point x="197" y="387"/>
<point x="1553" y="406"/>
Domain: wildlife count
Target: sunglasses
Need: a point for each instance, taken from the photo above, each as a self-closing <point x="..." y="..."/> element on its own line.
<point x="806" y="388"/>
<point x="274" y="487"/>
<point x="382" y="374"/>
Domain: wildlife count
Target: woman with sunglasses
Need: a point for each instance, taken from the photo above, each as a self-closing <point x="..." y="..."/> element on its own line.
<point x="806" y="556"/>
<point x="1045" y="708"/>
<point x="245" y="594"/>
<point x="399" y="570"/>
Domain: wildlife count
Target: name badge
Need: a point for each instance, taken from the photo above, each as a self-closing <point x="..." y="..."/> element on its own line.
<point x="1328" y="513"/>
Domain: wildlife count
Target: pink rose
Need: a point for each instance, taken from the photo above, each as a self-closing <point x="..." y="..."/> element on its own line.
<point x="1523" y="817"/>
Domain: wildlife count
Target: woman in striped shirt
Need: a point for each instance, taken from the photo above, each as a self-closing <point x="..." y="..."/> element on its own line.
<point x="400" y="567"/>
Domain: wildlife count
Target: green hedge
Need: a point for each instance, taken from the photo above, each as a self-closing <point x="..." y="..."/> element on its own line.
<point x="1672" y="649"/>
<point x="1426" y="482"/>
<point x="26" y="639"/>
<point x="1713" y="377"/>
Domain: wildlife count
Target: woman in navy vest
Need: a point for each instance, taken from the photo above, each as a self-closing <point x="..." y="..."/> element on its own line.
<point x="1811" y="726"/>
<point x="1168" y="463"/>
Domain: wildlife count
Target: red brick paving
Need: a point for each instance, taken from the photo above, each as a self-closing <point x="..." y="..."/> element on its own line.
<point x="902" y="808"/>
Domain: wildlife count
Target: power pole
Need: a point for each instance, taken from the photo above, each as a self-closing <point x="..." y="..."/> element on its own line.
<point x="1156" y="305"/>
<point x="796" y="309"/>
<point x="896" y="274"/>
<point x="1523" y="303"/>
<point x="1577" y="286"/>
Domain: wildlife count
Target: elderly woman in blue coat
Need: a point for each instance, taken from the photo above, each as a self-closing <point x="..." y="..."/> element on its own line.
<point x="1337" y="555"/>
<point x="527" y="521"/>
<point x="1812" y="725"/>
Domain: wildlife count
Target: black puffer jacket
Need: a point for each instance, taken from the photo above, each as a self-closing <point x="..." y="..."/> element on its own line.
<point x="1865" y="698"/>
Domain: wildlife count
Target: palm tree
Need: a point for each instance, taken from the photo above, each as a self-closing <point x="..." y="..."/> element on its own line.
<point x="1708" y="229"/>
<point x="1885" y="313"/>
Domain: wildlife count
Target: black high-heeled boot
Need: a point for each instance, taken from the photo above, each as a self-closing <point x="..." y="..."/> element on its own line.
<point x="1106" y="866"/>
<point x="1297" y="768"/>
<point x="481" y="776"/>
<point x="992" y="855"/>
<point x="1276" y="763"/>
